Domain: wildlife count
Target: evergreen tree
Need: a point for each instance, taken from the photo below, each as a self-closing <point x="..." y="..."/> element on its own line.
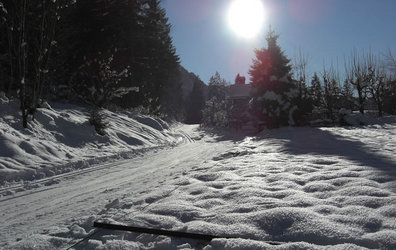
<point x="347" y="100"/>
<point x="215" y="113"/>
<point x="93" y="30"/>
<point x="390" y="97"/>
<point x="274" y="95"/>
<point x="316" y="91"/>
<point x="162" y="63"/>
<point x="331" y="93"/>
<point x="270" y="61"/>
<point x="216" y="87"/>
<point x="135" y="34"/>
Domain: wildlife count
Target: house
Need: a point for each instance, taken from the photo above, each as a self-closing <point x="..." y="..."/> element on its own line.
<point x="237" y="98"/>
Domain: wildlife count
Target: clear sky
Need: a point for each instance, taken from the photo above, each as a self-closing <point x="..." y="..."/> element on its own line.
<point x="326" y="30"/>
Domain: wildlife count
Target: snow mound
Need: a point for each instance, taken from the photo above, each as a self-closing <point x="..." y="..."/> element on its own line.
<point x="61" y="139"/>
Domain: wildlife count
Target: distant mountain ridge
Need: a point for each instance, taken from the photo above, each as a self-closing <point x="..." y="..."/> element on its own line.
<point x="187" y="81"/>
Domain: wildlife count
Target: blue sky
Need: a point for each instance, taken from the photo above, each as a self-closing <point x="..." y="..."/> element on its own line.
<point x="326" y="30"/>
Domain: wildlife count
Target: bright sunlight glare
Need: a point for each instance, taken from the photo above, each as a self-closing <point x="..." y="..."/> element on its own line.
<point x="246" y="17"/>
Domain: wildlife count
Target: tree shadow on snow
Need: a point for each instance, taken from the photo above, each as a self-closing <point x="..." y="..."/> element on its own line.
<point x="321" y="142"/>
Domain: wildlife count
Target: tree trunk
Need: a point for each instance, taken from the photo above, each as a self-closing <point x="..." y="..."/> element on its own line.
<point x="380" y="113"/>
<point x="361" y="99"/>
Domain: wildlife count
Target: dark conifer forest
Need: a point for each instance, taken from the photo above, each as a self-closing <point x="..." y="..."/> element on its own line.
<point x="93" y="52"/>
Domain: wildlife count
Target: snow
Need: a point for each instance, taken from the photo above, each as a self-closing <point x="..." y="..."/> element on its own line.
<point x="272" y="96"/>
<point x="61" y="139"/>
<point x="302" y="188"/>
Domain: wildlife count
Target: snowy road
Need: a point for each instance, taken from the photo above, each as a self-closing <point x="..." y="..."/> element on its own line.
<point x="86" y="192"/>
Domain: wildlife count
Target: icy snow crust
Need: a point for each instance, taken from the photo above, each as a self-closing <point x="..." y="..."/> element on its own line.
<point x="306" y="188"/>
<point x="60" y="139"/>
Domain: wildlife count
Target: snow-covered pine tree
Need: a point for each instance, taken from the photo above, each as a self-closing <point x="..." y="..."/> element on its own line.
<point x="217" y="87"/>
<point x="215" y="112"/>
<point x="274" y="94"/>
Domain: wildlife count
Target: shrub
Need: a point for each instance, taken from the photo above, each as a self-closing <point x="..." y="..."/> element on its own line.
<point x="98" y="120"/>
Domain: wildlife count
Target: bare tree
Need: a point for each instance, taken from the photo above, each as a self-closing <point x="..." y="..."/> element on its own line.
<point x="358" y="74"/>
<point x="18" y="49"/>
<point x="377" y="78"/>
<point x="391" y="61"/>
<point x="300" y="63"/>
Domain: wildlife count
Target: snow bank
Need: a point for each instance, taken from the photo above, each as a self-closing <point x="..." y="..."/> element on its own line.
<point x="61" y="139"/>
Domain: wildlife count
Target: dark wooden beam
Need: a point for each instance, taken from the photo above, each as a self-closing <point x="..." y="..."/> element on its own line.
<point x="197" y="236"/>
<point x="205" y="237"/>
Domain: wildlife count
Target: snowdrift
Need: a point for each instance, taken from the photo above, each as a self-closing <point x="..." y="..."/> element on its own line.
<point x="61" y="139"/>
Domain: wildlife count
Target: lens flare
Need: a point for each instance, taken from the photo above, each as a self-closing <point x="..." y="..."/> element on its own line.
<point x="246" y="17"/>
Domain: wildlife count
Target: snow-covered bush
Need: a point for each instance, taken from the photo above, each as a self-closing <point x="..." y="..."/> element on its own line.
<point x="98" y="120"/>
<point x="215" y="113"/>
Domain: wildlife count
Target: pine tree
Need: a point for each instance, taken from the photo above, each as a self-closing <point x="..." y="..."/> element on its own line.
<point x="269" y="61"/>
<point x="216" y="87"/>
<point x="136" y="35"/>
<point x="331" y="93"/>
<point x="390" y="97"/>
<point x="316" y="91"/>
<point x="162" y="63"/>
<point x="97" y="28"/>
<point x="274" y="95"/>
<point x="347" y="96"/>
<point x="215" y="113"/>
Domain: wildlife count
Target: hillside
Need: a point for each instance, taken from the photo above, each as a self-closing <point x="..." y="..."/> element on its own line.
<point x="187" y="80"/>
<point x="61" y="139"/>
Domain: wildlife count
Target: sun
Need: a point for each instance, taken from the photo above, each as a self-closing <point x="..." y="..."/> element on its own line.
<point x="246" y="17"/>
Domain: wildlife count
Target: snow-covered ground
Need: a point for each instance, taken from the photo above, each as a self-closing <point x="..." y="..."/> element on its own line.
<point x="309" y="188"/>
<point x="60" y="139"/>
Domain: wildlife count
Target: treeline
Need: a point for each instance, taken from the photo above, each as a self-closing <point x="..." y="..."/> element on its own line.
<point x="283" y="95"/>
<point x="97" y="52"/>
<point x="368" y="83"/>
